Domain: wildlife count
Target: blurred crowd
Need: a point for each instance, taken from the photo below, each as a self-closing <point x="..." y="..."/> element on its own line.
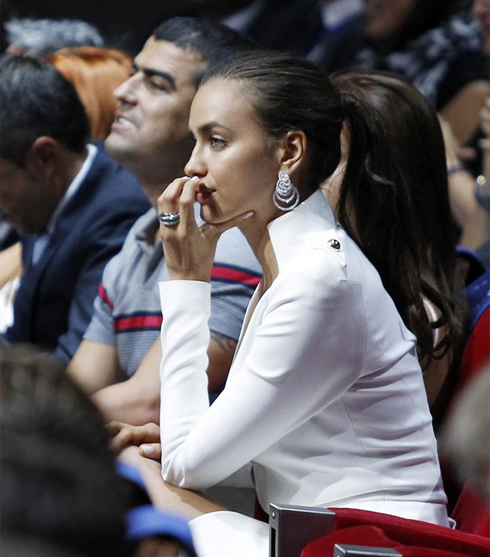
<point x="91" y="134"/>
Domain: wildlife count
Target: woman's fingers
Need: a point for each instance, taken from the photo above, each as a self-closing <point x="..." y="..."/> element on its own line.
<point x="169" y="200"/>
<point x="178" y="198"/>
<point x="151" y="450"/>
<point x="189" y="253"/>
<point x="186" y="203"/>
<point x="189" y="250"/>
<point x="114" y="427"/>
<point x="218" y="229"/>
<point x="135" y="435"/>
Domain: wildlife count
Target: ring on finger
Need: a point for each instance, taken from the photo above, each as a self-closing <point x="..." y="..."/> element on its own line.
<point x="169" y="219"/>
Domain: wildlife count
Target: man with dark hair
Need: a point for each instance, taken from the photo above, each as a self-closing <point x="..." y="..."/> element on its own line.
<point x="70" y="202"/>
<point x="120" y="354"/>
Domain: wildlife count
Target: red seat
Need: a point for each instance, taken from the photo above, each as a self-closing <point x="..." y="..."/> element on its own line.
<point x="409" y="537"/>
<point x="477" y="351"/>
<point x="472" y="512"/>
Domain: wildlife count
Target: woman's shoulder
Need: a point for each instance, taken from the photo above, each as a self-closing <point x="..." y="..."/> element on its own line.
<point x="317" y="265"/>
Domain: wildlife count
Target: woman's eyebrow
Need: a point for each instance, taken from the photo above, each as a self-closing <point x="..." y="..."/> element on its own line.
<point x="210" y="125"/>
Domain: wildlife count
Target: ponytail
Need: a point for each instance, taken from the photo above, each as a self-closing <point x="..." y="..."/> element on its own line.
<point x="394" y="203"/>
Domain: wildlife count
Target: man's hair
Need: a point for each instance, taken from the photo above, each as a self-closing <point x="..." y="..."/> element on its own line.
<point x="40" y="37"/>
<point x="35" y="101"/>
<point x="59" y="483"/>
<point x="214" y="41"/>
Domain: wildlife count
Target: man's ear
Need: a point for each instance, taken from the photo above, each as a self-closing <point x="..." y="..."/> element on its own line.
<point x="45" y="151"/>
<point x="294" y="151"/>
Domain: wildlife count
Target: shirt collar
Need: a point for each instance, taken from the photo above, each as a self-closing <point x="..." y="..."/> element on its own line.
<point x="147" y="228"/>
<point x="289" y="231"/>
<point x="73" y="187"/>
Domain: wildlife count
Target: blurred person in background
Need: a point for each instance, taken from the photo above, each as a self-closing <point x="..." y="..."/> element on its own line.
<point x="59" y="487"/>
<point x="36" y="37"/>
<point x="40" y="37"/>
<point x="95" y="72"/>
<point x="70" y="202"/>
<point x="436" y="45"/>
<point x="470" y="198"/>
<point x="465" y="434"/>
<point x="8" y="235"/>
<point x="10" y="262"/>
<point x="61" y="492"/>
<point x="292" y="25"/>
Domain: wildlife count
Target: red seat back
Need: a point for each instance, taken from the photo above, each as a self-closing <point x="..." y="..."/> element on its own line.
<point x="409" y="537"/>
<point x="472" y="512"/>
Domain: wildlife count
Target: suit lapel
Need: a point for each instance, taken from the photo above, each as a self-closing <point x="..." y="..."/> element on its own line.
<point x="67" y="220"/>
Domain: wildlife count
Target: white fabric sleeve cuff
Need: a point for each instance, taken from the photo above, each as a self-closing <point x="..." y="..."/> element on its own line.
<point x="225" y="533"/>
<point x="184" y="295"/>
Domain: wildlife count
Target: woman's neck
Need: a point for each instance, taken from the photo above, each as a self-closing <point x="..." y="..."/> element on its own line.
<point x="257" y="235"/>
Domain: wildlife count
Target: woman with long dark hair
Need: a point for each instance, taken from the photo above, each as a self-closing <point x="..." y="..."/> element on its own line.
<point x="325" y="398"/>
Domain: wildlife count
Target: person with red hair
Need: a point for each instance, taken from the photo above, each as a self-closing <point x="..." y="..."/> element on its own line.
<point x="95" y="72"/>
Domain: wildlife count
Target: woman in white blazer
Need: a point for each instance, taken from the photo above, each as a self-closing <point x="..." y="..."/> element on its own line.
<point x="325" y="402"/>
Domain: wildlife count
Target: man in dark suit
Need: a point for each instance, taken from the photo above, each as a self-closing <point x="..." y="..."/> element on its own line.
<point x="69" y="201"/>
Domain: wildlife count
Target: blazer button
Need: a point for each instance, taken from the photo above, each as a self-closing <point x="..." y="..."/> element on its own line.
<point x="334" y="244"/>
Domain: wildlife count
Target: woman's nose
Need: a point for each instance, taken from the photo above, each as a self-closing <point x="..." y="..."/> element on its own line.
<point x="195" y="165"/>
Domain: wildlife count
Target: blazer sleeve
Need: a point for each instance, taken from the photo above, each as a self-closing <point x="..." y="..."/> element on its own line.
<point x="296" y="365"/>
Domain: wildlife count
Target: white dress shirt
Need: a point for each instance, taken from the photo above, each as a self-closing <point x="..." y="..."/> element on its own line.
<point x="325" y="396"/>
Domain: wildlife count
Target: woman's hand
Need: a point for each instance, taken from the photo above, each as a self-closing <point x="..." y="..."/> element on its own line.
<point x="146" y="437"/>
<point x="189" y="249"/>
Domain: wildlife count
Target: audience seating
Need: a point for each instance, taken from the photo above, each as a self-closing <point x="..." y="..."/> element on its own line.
<point x="472" y="511"/>
<point x="293" y="527"/>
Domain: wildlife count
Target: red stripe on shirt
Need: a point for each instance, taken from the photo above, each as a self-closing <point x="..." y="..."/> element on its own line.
<point x="104" y="296"/>
<point x="235" y="275"/>
<point x="137" y="322"/>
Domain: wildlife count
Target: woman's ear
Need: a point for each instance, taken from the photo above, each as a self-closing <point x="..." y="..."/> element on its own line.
<point x="293" y="151"/>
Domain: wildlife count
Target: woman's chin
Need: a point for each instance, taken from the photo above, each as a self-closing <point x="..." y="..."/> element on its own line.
<point x="210" y="216"/>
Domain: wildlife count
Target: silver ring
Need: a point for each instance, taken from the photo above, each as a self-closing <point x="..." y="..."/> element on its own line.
<point x="169" y="219"/>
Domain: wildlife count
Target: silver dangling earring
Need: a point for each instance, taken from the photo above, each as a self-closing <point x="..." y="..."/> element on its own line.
<point x="286" y="194"/>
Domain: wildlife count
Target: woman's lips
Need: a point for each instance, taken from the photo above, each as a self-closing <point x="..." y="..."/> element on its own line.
<point x="203" y="193"/>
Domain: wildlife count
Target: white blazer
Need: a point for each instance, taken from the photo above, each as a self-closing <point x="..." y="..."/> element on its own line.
<point x="325" y="396"/>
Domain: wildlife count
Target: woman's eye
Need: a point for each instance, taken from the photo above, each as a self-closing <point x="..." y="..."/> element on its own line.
<point x="217" y="142"/>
